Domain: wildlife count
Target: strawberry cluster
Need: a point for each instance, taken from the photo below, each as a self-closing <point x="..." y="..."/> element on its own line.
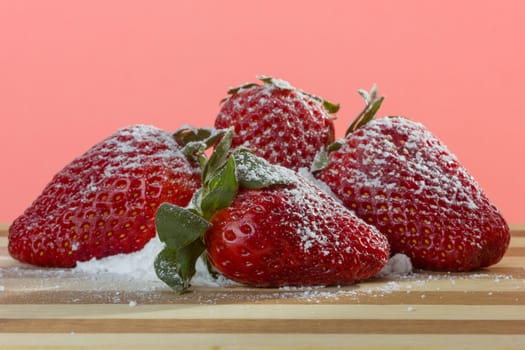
<point x="279" y="202"/>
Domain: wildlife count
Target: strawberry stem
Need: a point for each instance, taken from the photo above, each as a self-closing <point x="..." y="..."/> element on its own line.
<point x="372" y="105"/>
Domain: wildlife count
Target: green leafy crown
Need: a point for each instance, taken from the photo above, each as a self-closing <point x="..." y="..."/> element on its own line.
<point x="182" y="230"/>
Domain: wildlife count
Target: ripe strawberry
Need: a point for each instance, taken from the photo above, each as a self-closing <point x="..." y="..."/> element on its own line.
<point x="396" y="175"/>
<point x="104" y="202"/>
<point x="278" y="122"/>
<point x="265" y="226"/>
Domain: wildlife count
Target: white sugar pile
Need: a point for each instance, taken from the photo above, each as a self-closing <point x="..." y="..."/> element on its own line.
<point x="135" y="265"/>
<point x="398" y="265"/>
<point x="139" y="266"/>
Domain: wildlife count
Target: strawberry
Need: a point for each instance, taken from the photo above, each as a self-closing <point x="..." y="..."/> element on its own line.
<point x="284" y="125"/>
<point x="396" y="175"/>
<point x="104" y="201"/>
<point x="265" y="226"/>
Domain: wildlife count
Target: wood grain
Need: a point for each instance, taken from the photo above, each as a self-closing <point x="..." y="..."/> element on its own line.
<point x="58" y="308"/>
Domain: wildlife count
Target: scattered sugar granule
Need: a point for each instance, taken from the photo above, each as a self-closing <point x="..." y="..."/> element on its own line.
<point x="75" y="246"/>
<point x="132" y="303"/>
<point x="397" y="265"/>
<point x="2" y="288"/>
<point x="411" y="309"/>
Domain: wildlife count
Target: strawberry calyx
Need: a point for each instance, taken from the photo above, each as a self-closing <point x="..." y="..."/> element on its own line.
<point x="372" y="105"/>
<point x="195" y="141"/>
<point x="183" y="229"/>
<point x="330" y="107"/>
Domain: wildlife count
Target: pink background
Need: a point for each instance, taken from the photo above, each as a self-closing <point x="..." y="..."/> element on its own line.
<point x="72" y="72"/>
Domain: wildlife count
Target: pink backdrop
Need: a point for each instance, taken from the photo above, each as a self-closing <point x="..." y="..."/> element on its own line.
<point x="72" y="72"/>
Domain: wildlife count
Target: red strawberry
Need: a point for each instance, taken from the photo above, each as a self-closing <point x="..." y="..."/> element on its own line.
<point x="278" y="122"/>
<point x="266" y="226"/>
<point x="396" y="175"/>
<point x="104" y="202"/>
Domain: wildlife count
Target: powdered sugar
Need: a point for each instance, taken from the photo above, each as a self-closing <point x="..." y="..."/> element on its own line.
<point x="254" y="169"/>
<point x="304" y="172"/>
<point x="109" y="285"/>
<point x="308" y="202"/>
<point x="132" y="143"/>
<point x="428" y="161"/>
<point x="396" y="175"/>
<point x="139" y="266"/>
<point x="424" y="165"/>
<point x="398" y="265"/>
<point x="280" y="123"/>
<point x="134" y="265"/>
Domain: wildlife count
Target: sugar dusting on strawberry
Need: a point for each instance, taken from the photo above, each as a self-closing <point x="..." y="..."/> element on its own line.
<point x="399" y="177"/>
<point x="280" y="123"/>
<point x="293" y="235"/>
<point x="266" y="226"/>
<point x="104" y="202"/>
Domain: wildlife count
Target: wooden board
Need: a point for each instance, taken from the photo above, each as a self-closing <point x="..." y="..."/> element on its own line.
<point x="57" y="308"/>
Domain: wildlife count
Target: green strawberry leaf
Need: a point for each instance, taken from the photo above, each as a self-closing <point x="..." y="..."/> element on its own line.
<point x="187" y="133"/>
<point x="321" y="159"/>
<point x="218" y="157"/>
<point x="334" y="146"/>
<point x="278" y="83"/>
<point x="372" y="105"/>
<point x="331" y="107"/>
<point x="187" y="258"/>
<point x="365" y="95"/>
<point x="196" y="140"/>
<point x="211" y="270"/>
<point x="281" y="84"/>
<point x="234" y="90"/>
<point x="181" y="229"/>
<point x="176" y="267"/>
<point x="178" y="227"/>
<point x="254" y="172"/>
<point x="221" y="189"/>
<point x="166" y="269"/>
<point x="195" y="203"/>
<point x="320" y="162"/>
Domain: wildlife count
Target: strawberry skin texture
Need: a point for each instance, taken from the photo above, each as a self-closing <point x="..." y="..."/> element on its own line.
<point x="282" y="125"/>
<point x="394" y="174"/>
<point x="104" y="202"/>
<point x="293" y="235"/>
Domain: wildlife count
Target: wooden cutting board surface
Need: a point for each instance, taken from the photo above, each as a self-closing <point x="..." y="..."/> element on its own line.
<point x="58" y="308"/>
